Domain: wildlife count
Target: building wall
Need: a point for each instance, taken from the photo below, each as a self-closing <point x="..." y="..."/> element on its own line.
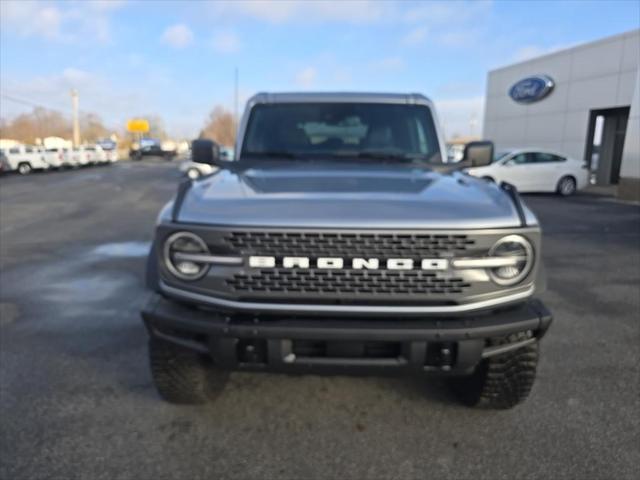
<point x="596" y="75"/>
<point x="629" y="186"/>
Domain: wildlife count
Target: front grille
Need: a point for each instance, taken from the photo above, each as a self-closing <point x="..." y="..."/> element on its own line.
<point x="348" y="285"/>
<point x="387" y="245"/>
<point x="355" y="283"/>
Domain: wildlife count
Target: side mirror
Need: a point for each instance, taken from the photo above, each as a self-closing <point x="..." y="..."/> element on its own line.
<point x="205" y="151"/>
<point x="478" y="154"/>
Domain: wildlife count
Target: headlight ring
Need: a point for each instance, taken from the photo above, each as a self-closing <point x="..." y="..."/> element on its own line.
<point x="185" y="243"/>
<point x="512" y="246"/>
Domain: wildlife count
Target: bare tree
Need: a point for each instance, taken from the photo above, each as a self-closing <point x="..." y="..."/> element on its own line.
<point x="41" y="123"/>
<point x="92" y="128"/>
<point x="220" y="127"/>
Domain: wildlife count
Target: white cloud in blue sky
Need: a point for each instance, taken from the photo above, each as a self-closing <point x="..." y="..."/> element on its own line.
<point x="177" y="59"/>
<point x="177" y="36"/>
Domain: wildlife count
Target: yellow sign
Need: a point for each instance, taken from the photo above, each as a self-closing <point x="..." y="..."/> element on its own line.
<point x="138" y="125"/>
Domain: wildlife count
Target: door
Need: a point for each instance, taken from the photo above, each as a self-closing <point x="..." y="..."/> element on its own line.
<point x="549" y="169"/>
<point x="605" y="142"/>
<point x="521" y="171"/>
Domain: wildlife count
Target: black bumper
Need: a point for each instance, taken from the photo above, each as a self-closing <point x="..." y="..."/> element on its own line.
<point x="344" y="345"/>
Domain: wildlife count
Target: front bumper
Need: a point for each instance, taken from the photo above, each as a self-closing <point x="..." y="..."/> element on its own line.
<point x="344" y="345"/>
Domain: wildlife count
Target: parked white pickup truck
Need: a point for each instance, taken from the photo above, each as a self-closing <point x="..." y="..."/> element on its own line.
<point x="58" y="157"/>
<point x="25" y="158"/>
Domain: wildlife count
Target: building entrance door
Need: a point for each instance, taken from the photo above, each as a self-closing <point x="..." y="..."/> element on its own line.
<point x="605" y="141"/>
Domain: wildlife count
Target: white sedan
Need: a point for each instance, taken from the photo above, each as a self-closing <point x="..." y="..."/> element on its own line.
<point x="532" y="170"/>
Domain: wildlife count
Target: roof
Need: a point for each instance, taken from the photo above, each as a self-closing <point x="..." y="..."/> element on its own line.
<point x="336" y="97"/>
<point x="576" y="47"/>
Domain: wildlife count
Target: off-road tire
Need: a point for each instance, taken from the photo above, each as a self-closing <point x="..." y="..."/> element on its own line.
<point x="503" y="381"/>
<point x="182" y="376"/>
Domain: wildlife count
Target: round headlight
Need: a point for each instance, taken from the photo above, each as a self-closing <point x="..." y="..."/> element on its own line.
<point x="181" y="251"/>
<point x="520" y="252"/>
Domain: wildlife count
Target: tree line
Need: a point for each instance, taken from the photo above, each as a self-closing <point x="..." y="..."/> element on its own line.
<point x="40" y="123"/>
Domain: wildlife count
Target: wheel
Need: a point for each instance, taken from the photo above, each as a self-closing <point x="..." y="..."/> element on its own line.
<point x="502" y="381"/>
<point x="182" y="376"/>
<point x="193" y="173"/>
<point x="566" y="186"/>
<point x="488" y="179"/>
<point x="24" y="168"/>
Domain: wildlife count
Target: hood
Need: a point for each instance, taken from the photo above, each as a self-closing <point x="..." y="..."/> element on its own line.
<point x="360" y="196"/>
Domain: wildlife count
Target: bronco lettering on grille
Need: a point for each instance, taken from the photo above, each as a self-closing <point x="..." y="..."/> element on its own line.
<point x="339" y="263"/>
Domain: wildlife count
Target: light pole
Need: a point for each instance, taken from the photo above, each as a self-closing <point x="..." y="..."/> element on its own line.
<point x="76" y="120"/>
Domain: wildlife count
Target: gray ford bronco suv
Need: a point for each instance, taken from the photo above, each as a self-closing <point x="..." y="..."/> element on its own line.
<point x="340" y="241"/>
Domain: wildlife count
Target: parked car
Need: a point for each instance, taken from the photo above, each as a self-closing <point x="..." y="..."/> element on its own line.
<point x="25" y="158"/>
<point x="200" y="167"/>
<point x="195" y="170"/>
<point x="339" y="241"/>
<point x="97" y="155"/>
<point x="110" y="149"/>
<point x="148" y="147"/>
<point x="3" y="162"/>
<point x="57" y="157"/>
<point x="534" y="170"/>
<point x="81" y="157"/>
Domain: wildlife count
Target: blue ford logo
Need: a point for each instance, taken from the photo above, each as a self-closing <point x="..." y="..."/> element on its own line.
<point x="531" y="89"/>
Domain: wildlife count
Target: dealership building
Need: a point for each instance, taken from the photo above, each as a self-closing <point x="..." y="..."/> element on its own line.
<point x="583" y="102"/>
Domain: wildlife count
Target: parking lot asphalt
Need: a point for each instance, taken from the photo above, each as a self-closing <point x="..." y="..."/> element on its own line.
<point x="77" y="402"/>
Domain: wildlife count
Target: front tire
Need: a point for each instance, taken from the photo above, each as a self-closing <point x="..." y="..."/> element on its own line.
<point x="182" y="376"/>
<point x="500" y="382"/>
<point x="566" y="186"/>
<point x="24" y="168"/>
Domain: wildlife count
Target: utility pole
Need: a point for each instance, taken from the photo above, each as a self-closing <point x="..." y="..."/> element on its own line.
<point x="76" y="120"/>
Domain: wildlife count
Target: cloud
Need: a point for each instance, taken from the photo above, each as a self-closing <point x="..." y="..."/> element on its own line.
<point x="274" y="11"/>
<point x="415" y="36"/>
<point x="461" y="116"/>
<point x="532" y="51"/>
<point x="177" y="36"/>
<point x="66" y="22"/>
<point x="448" y="24"/>
<point x="388" y="64"/>
<point x="306" y="77"/>
<point x="226" y="42"/>
<point x="32" y="19"/>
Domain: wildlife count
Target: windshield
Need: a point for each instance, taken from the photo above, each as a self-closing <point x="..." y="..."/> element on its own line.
<point x="500" y="155"/>
<point x="393" y="132"/>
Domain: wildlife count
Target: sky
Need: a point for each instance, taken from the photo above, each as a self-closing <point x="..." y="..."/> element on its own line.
<point x="176" y="59"/>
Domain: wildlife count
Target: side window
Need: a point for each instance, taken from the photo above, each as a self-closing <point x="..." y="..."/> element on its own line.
<point x="14" y="150"/>
<point x="28" y="150"/>
<point x="520" y="159"/>
<point x="547" y="158"/>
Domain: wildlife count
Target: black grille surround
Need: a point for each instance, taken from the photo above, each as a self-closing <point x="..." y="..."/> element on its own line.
<point x="346" y="286"/>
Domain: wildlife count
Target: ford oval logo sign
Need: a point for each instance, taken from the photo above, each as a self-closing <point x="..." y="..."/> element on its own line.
<point x="531" y="89"/>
